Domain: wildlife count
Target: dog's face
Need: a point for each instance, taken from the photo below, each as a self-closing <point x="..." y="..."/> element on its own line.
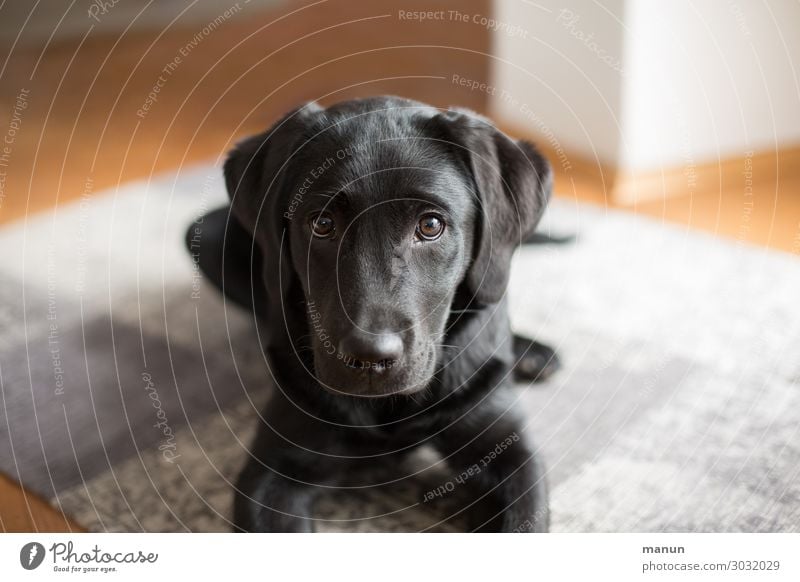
<point x="372" y="215"/>
<point x="380" y="240"/>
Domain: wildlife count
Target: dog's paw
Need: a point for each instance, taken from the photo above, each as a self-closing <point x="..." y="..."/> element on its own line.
<point x="534" y="362"/>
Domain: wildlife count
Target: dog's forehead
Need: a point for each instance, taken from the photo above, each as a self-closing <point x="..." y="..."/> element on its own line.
<point x="378" y="156"/>
<point x="384" y="140"/>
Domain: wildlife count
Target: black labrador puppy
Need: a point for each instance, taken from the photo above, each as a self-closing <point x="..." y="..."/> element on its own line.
<point x="372" y="239"/>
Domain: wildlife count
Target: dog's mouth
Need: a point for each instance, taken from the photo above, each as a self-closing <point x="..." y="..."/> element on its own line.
<point x="356" y="377"/>
<point x="379" y="367"/>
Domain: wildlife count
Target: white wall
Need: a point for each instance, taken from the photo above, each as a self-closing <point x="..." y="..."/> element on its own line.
<point x="645" y="84"/>
<point x="563" y="71"/>
<point x="709" y="79"/>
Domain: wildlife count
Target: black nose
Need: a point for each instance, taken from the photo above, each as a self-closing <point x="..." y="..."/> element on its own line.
<point x="378" y="352"/>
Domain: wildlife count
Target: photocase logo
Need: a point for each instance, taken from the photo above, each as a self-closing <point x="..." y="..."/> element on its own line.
<point x="31" y="555"/>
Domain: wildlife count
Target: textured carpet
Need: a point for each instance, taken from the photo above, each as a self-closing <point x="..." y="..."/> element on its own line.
<point x="129" y="390"/>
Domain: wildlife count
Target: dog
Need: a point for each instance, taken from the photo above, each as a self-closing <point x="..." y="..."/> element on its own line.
<point x="372" y="240"/>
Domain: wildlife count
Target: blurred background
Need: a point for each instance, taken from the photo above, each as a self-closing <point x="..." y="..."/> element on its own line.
<point x="641" y="105"/>
<point x="687" y="112"/>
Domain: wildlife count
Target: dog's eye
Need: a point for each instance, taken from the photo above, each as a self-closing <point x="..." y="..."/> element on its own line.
<point x="430" y="227"/>
<point x="322" y="225"/>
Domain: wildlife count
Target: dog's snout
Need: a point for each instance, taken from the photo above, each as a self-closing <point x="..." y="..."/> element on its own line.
<point x="376" y="351"/>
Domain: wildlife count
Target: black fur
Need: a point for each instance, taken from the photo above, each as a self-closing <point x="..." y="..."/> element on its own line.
<point x="379" y="340"/>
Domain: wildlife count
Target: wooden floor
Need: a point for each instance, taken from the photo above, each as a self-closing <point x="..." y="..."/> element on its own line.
<point x="79" y="128"/>
<point x="21" y="511"/>
<point x="751" y="200"/>
<point x="89" y="123"/>
<point x="754" y="199"/>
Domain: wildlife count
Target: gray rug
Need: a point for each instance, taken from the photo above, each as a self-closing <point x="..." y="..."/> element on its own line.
<point x="130" y="391"/>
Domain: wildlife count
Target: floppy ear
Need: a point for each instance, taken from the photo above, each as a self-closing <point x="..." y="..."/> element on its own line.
<point x="257" y="176"/>
<point x="513" y="184"/>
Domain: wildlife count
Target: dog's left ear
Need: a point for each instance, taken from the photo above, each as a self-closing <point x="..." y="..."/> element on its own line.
<point x="513" y="182"/>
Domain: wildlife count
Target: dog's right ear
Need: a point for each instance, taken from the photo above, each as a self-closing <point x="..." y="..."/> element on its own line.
<point x="256" y="174"/>
<point x="256" y="168"/>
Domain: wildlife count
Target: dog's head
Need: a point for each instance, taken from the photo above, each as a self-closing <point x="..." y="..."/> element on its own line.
<point x="372" y="215"/>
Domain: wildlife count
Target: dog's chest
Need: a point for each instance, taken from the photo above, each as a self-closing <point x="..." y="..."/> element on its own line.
<point x="396" y="423"/>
